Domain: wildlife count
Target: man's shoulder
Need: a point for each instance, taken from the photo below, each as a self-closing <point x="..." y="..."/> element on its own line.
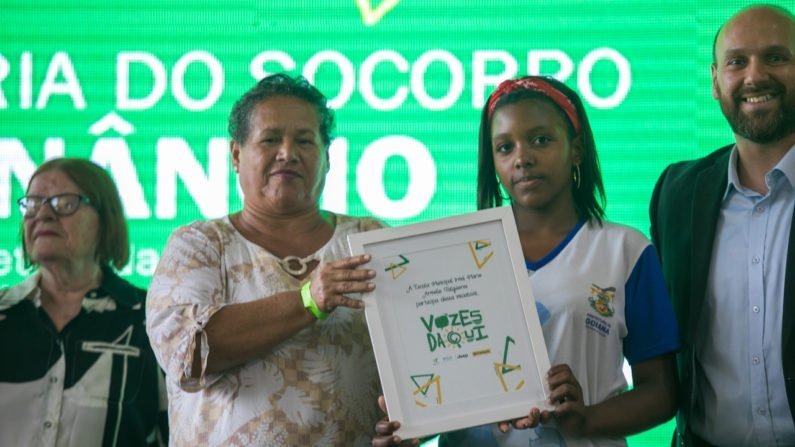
<point x="693" y="167"/>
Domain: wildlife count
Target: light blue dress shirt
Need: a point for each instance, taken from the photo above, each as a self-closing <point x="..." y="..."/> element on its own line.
<point x="742" y="399"/>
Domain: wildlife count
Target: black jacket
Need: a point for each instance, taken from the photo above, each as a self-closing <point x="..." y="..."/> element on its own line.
<point x="684" y="212"/>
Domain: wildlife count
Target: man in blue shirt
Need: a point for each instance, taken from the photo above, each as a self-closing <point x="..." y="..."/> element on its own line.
<point x="723" y="226"/>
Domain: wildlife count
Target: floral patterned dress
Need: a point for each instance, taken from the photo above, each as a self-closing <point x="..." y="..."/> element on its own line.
<point x="318" y="388"/>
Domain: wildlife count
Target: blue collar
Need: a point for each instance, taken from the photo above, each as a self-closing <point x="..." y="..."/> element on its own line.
<point x="551" y="255"/>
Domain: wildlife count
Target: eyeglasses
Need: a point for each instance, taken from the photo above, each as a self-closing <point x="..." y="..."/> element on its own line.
<point x="64" y="204"/>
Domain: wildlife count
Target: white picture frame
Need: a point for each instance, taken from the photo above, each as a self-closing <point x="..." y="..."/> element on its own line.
<point x="453" y="322"/>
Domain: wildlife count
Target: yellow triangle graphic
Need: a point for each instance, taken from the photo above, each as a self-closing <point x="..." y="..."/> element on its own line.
<point x="478" y="262"/>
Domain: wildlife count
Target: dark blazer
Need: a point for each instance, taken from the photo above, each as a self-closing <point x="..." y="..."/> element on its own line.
<point x="684" y="211"/>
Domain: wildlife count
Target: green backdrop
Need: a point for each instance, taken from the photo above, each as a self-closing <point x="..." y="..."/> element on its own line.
<point x="144" y="88"/>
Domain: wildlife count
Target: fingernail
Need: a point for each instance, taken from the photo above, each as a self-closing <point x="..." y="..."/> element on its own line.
<point x="370" y="286"/>
<point x="371" y="273"/>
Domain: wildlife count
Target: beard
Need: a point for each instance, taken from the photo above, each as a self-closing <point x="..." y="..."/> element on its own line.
<point x="762" y="126"/>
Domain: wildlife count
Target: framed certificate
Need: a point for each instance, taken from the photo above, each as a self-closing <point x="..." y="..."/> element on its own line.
<point x="453" y="322"/>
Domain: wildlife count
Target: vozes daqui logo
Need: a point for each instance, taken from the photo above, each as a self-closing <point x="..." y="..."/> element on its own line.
<point x="451" y="330"/>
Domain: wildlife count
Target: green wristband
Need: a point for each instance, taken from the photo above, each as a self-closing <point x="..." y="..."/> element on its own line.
<point x="310" y="304"/>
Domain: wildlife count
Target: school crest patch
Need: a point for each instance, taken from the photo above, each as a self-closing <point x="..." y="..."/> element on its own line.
<point x="601" y="300"/>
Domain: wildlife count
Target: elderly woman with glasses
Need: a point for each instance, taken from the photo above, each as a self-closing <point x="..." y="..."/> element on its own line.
<point x="77" y="368"/>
